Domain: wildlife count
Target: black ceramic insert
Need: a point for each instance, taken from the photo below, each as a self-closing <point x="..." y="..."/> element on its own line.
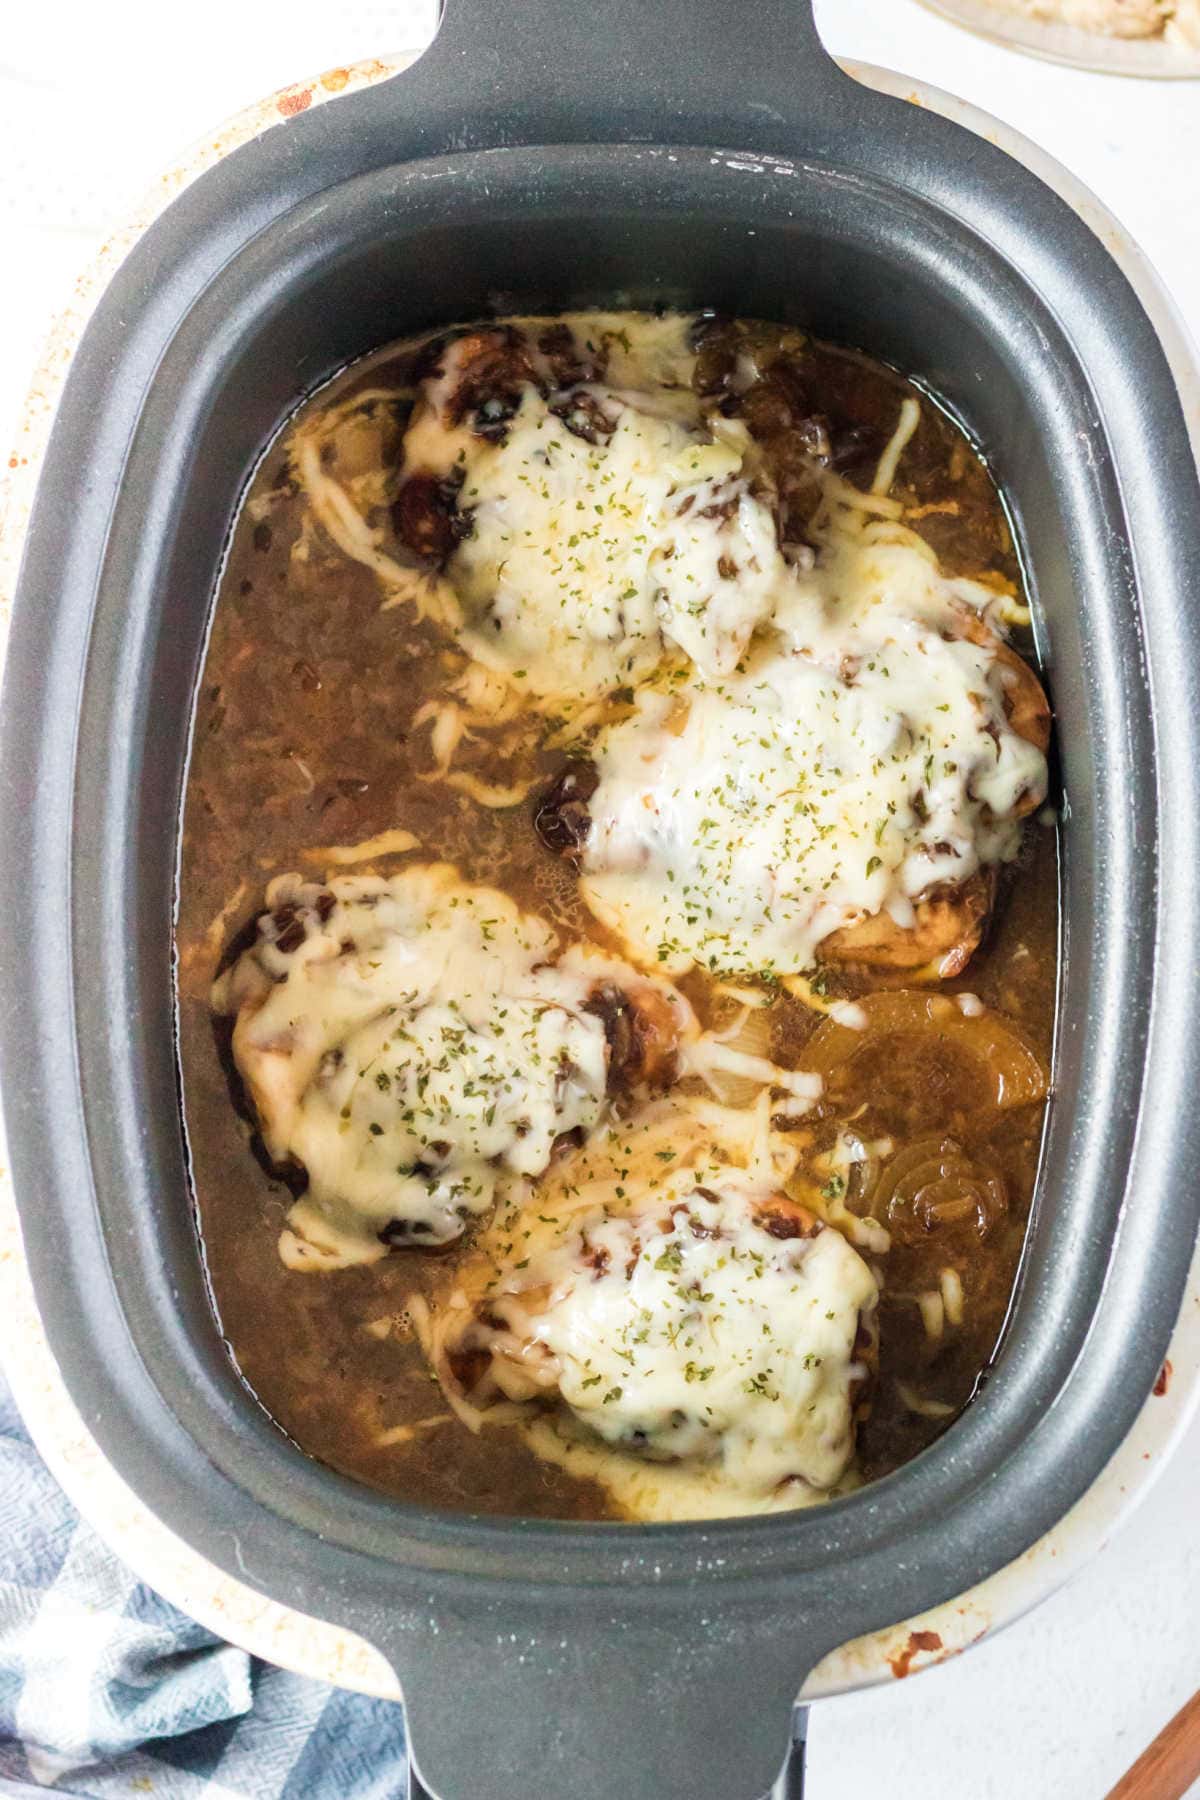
<point x="541" y="155"/>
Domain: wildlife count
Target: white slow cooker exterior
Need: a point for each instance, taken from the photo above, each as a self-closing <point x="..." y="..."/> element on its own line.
<point x="313" y="1647"/>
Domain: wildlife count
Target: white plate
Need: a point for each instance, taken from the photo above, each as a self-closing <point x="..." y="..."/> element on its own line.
<point x="1151" y="56"/>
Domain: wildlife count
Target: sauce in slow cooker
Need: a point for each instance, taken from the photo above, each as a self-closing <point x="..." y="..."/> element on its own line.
<point x="311" y="732"/>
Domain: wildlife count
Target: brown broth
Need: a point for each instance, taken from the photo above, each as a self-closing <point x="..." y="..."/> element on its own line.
<point x="303" y="737"/>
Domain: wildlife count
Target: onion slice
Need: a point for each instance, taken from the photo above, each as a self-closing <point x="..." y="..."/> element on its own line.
<point x="934" y="1184"/>
<point x="1015" y="1072"/>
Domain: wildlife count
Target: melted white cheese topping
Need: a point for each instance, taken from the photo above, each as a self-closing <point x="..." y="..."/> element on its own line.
<point x="687" y="1331"/>
<point x="586" y="560"/>
<point x="414" y="1047"/>
<point x="859" y="757"/>
<point x="665" y="1493"/>
<point x="836" y="745"/>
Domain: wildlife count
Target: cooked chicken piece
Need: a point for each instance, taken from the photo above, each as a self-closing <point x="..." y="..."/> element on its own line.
<point x="945" y="932"/>
<point x="943" y="937"/>
<point x="586" y="513"/>
<point x="410" y="1043"/>
<point x="477" y="383"/>
<point x="686" y="794"/>
<point x="1025" y="704"/>
<point x="950" y="921"/>
<point x="715" y="1323"/>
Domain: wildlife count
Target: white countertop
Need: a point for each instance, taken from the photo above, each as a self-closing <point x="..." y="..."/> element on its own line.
<point x="93" y="101"/>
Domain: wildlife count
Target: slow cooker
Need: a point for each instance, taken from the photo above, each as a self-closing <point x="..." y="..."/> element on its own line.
<point x="536" y="157"/>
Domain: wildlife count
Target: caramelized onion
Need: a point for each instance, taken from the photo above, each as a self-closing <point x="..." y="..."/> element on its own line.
<point x="1014" y="1072"/>
<point x="933" y="1184"/>
<point x="736" y="1079"/>
<point x="922" y="1405"/>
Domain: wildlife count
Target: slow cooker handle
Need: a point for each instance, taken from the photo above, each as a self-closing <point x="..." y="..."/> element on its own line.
<point x="540" y="1699"/>
<point x="790" y="1785"/>
<point x="624" y="71"/>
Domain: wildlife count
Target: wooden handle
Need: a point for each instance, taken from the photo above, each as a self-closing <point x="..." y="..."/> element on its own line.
<point x="1171" y="1764"/>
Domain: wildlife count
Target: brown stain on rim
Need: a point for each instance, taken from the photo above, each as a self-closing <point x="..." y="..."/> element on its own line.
<point x="291" y="104"/>
<point x="1164" y="1378"/>
<point x="918" y="1641"/>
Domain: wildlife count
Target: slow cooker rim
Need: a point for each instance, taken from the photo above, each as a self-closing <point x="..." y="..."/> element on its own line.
<point x="772" y="1618"/>
<point x="498" y="1534"/>
<point x="787" y="1621"/>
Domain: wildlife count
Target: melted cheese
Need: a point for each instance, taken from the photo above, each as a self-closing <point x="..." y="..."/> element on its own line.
<point x="859" y="757"/>
<point x="412" y="1049"/>
<point x="585" y="561"/>
<point x="666" y="1493"/>
<point x="676" y="1327"/>
<point x="644" y="351"/>
<point x="828" y="742"/>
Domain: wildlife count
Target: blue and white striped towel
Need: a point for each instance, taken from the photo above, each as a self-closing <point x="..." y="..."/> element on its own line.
<point x="107" y="1691"/>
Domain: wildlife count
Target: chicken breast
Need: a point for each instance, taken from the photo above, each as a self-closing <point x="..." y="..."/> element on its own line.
<point x="844" y="796"/>
<point x="412" y="1043"/>
<point x="701" y="1319"/>
<point x="944" y="932"/>
<point x="587" y="513"/>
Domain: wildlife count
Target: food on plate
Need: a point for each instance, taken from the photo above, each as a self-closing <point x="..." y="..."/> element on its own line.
<point x="1177" y="21"/>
